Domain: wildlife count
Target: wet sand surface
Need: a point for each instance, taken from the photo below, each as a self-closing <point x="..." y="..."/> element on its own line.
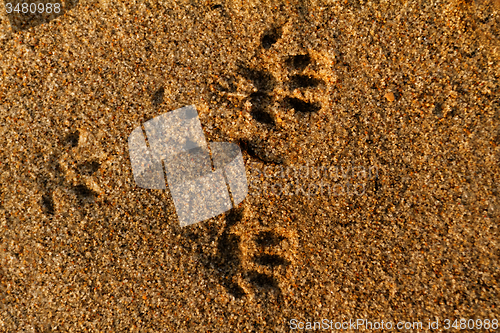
<point x="393" y="107"/>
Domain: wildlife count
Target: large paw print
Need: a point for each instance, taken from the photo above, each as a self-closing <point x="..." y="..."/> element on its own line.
<point x="278" y="91"/>
<point x="71" y="181"/>
<point x="255" y="261"/>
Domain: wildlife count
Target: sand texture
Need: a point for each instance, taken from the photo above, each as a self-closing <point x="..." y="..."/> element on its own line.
<point x="396" y="102"/>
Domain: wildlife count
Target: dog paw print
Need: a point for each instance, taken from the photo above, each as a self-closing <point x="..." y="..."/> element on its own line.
<point x="71" y="181"/>
<point x="255" y="261"/>
<point x="276" y="92"/>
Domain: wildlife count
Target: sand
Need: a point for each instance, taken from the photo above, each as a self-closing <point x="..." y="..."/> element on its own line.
<point x="394" y="105"/>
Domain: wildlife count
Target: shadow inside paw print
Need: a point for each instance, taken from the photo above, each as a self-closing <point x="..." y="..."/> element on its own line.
<point x="271" y="260"/>
<point x="84" y="193"/>
<point x="260" y="101"/>
<point x="262" y="281"/>
<point x="255" y="149"/>
<point x="271" y="37"/>
<point x="72" y="139"/>
<point x="157" y="97"/>
<point x="48" y="203"/>
<point x="304" y="81"/>
<point x="228" y="255"/>
<point x="88" y="167"/>
<point x="263" y="81"/>
<point x="298" y="62"/>
<point x="301" y="106"/>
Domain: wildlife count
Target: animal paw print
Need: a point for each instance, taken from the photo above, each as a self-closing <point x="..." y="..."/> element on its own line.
<point x="277" y="92"/>
<point x="72" y="179"/>
<point x="255" y="261"/>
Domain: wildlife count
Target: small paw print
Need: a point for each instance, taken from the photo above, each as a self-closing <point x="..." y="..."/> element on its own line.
<point x="72" y="180"/>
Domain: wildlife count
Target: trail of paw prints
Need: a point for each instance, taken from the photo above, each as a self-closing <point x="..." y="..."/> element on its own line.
<point x="255" y="261"/>
<point x="71" y="181"/>
<point x="277" y="92"/>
